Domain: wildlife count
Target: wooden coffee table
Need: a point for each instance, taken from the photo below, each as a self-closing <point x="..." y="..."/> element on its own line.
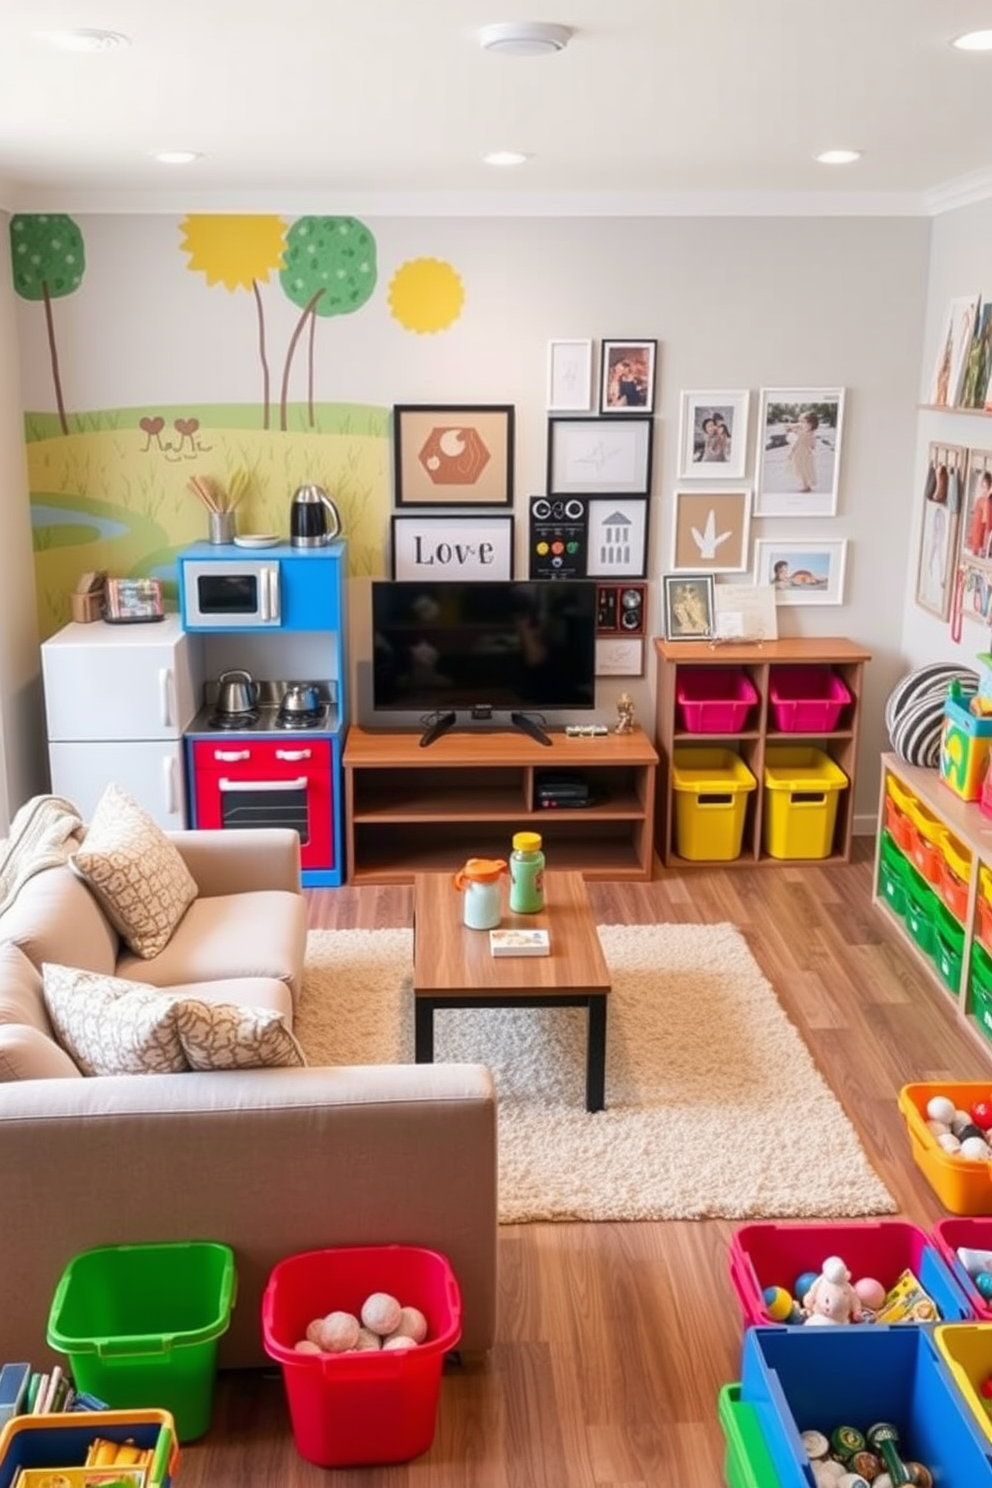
<point x="454" y="967"/>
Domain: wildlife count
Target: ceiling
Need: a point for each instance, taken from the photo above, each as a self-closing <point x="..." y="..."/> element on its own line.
<point x="654" y="106"/>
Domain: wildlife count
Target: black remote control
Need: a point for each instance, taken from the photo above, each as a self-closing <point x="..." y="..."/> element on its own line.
<point x="442" y="723"/>
<point x="528" y="725"/>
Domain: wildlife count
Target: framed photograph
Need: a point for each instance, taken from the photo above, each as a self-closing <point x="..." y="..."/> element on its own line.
<point x="713" y="435"/>
<point x="689" y="607"/>
<point x="619" y="656"/>
<point x="711" y="531"/>
<point x="569" y="376"/>
<point x="455" y="546"/>
<point x="976" y="509"/>
<point x="129" y="601"/>
<point x="627" y="376"/>
<point x="617" y="538"/>
<point x="802" y="573"/>
<point x="956" y="336"/>
<point x="453" y="456"/>
<point x="799" y="435"/>
<point x="590" y="456"/>
<point x="943" y="497"/>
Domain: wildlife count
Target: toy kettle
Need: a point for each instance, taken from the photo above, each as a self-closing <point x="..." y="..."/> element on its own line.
<point x="479" y="882"/>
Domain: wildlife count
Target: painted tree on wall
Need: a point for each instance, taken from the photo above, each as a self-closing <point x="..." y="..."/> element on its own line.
<point x="239" y="251"/>
<point x="48" y="261"/>
<point x="329" y="269"/>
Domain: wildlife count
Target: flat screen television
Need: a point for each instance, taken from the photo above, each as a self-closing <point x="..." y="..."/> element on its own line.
<point x="516" y="645"/>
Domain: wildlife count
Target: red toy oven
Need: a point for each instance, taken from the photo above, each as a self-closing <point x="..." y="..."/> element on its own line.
<point x="248" y="782"/>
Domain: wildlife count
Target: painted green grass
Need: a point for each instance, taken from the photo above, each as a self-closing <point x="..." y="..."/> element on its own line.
<point x="363" y="419"/>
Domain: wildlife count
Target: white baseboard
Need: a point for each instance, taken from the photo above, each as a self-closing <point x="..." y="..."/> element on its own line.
<point x="864" y="826"/>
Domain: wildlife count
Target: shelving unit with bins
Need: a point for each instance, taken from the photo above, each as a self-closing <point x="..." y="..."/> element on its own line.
<point x="411" y="810"/>
<point x="916" y="869"/>
<point x="757" y="661"/>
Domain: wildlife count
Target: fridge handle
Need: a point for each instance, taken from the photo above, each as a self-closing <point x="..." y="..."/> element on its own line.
<point x="169" y="771"/>
<point x="166" y="694"/>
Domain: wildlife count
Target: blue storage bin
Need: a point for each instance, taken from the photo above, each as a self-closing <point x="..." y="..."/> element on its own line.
<point x="801" y="1379"/>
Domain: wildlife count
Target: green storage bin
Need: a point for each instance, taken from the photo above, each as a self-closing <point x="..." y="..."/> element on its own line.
<point x="921" y="912"/>
<point x="980" y="988"/>
<point x="140" y="1324"/>
<point x="892" y="875"/>
<point x="747" y="1461"/>
<point x="947" y="949"/>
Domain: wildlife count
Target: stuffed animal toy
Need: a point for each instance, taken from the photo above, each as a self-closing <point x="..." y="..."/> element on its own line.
<point x="832" y="1300"/>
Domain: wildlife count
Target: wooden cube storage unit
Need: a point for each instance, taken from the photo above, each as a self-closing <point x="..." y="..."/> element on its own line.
<point x="410" y="810"/>
<point x="829" y="724"/>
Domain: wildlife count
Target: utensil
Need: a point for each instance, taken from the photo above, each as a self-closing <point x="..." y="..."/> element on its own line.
<point x="236" y="692"/>
<point x="301" y="697"/>
<point x="314" y="520"/>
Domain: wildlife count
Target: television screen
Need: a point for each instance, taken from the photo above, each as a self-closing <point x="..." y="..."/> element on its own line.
<point x="514" y="645"/>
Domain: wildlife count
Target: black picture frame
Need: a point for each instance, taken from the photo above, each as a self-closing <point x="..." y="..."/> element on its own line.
<point x="456" y="454"/>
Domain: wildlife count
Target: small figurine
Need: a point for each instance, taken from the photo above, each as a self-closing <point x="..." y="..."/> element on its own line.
<point x="832" y="1300"/>
<point x="625" y="714"/>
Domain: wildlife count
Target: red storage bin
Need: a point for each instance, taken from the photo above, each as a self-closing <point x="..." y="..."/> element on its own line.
<point x="714" y="700"/>
<point x="899" y="826"/>
<point x="806" y="699"/>
<point x="768" y="1254"/>
<point x="354" y="1409"/>
<point x="975" y="1233"/>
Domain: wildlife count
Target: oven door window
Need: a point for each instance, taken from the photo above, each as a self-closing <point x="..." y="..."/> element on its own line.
<point x="266" y="803"/>
<point x="227" y="594"/>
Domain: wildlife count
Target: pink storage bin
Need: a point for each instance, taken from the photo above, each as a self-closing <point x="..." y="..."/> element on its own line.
<point x="714" y="700"/>
<point x="767" y="1254"/>
<point x="806" y="699"/>
<point x="974" y="1231"/>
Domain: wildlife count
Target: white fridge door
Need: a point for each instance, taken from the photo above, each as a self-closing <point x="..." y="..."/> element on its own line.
<point x="120" y="681"/>
<point x="152" y="771"/>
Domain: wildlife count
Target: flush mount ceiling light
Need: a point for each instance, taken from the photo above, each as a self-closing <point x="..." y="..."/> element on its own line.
<point x="177" y="157"/>
<point x="838" y="157"/>
<point x="85" y="39"/>
<point x="974" y="41"/>
<point x="505" y="157"/>
<point x="525" y="38"/>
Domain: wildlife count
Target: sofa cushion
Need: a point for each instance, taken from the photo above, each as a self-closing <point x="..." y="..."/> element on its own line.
<point x="110" y="1026"/>
<point x="55" y="917"/>
<point x="222" y="1036"/>
<point x="21" y="996"/>
<point x="26" y="1054"/>
<point x="260" y="934"/>
<point x="135" y="871"/>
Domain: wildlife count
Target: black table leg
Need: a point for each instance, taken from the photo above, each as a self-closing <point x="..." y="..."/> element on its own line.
<point x="596" y="1055"/>
<point x="423" y="1031"/>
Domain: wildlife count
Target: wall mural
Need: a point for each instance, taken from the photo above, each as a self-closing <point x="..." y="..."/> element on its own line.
<point x="108" y="486"/>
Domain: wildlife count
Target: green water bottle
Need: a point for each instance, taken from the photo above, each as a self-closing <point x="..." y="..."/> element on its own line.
<point x="526" y="873"/>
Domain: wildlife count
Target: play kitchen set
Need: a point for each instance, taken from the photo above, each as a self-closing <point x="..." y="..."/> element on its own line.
<point x="229" y="714"/>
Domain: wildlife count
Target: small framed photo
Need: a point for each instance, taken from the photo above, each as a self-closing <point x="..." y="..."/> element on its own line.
<point x="569" y="376"/>
<point x="587" y="456"/>
<point x="976" y="508"/>
<point x="627" y="376"/>
<point x="689" y="607"/>
<point x="944" y="493"/>
<point x="802" y="573"/>
<point x="130" y="601"/>
<point x="455" y="546"/>
<point x="952" y="351"/>
<point x="711" y="531"/>
<point x="617" y="538"/>
<point x="799" y="438"/>
<point x="457" y="455"/>
<point x="713" y="435"/>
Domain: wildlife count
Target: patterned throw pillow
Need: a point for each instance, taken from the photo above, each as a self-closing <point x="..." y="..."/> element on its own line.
<point x="137" y="874"/>
<point x="110" y="1026"/>
<point x="222" y="1036"/>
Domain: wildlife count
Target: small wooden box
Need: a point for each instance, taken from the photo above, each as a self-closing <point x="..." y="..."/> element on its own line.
<point x="86" y="600"/>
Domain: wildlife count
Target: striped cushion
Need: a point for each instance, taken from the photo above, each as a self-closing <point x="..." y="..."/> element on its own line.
<point x="914" y="712"/>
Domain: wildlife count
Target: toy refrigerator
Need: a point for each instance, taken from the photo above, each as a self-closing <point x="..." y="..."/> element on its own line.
<point x="117" y="700"/>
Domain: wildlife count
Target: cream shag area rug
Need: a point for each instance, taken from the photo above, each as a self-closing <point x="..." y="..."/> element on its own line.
<point x="714" y="1107"/>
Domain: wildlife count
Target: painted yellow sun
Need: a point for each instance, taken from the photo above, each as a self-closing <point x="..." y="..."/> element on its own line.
<point x="426" y="295"/>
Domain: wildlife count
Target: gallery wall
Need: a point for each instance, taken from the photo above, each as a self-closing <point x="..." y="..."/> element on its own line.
<point x="462" y="311"/>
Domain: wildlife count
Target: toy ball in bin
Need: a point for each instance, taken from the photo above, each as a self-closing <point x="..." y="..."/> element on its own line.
<point x="361" y="1406"/>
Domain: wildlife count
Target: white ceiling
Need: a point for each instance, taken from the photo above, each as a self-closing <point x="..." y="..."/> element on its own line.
<point x="656" y="105"/>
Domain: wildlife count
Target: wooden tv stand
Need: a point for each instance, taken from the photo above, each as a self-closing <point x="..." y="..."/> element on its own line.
<point x="410" y="810"/>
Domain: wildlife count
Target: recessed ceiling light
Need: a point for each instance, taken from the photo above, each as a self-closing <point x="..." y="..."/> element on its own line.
<point x="525" y="38"/>
<point x="974" y="41"/>
<point x="177" y="157"/>
<point x="838" y="157"/>
<point x="505" y="157"/>
<point x="85" y="39"/>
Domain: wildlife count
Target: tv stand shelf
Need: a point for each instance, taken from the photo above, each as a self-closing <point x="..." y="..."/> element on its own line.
<point x="410" y="810"/>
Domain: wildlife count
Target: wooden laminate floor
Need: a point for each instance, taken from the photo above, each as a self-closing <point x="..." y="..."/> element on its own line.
<point x="614" y="1339"/>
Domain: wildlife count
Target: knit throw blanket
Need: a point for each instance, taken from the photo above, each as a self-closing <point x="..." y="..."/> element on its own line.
<point x="45" y="832"/>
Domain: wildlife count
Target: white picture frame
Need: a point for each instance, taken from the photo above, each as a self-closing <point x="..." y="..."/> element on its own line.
<point x="711" y="531"/>
<point x="707" y="455"/>
<point x="569" y="376"/>
<point x="958" y="329"/>
<point x="453" y="546"/>
<point x="802" y="573"/>
<point x="594" y="456"/>
<point x="617" y="537"/>
<point x="799" y="450"/>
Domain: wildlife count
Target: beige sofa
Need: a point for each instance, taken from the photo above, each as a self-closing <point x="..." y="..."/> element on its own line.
<point x="270" y="1161"/>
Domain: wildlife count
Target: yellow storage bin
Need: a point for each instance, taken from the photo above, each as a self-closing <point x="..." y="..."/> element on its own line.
<point x="901" y="794"/>
<point x="802" y="788"/>
<point x="711" y="789"/>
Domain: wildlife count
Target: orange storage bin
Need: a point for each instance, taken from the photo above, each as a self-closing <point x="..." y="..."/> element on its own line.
<point x="984" y="910"/>
<point x="962" y="1187"/>
<point x="952" y="889"/>
<point x="899" y="826"/>
<point x="927" y="833"/>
